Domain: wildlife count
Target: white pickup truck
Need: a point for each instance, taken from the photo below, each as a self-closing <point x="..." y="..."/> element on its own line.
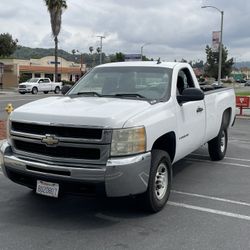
<point x="119" y="129"/>
<point x="35" y="85"/>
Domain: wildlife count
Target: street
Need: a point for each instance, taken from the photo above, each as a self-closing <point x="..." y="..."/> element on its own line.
<point x="208" y="209"/>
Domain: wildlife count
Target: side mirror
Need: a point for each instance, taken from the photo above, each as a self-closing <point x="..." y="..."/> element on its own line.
<point x="190" y="94"/>
<point x="65" y="89"/>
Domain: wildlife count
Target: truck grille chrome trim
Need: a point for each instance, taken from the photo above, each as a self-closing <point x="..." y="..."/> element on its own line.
<point x="62" y="146"/>
<point x="60" y="131"/>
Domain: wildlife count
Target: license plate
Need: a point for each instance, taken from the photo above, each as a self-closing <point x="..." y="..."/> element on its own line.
<point x="47" y="188"/>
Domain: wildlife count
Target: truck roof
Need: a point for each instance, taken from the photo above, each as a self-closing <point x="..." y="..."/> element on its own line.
<point x="170" y="65"/>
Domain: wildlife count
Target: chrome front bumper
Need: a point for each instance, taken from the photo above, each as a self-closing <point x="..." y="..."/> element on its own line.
<point x="121" y="176"/>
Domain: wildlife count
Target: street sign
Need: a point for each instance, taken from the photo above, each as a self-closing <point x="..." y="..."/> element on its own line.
<point x="243" y="101"/>
<point x="215" y="41"/>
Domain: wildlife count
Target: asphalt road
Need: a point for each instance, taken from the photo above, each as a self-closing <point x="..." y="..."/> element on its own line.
<point x="209" y="208"/>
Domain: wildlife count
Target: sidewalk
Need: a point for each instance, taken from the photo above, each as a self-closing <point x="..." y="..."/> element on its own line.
<point x="8" y="91"/>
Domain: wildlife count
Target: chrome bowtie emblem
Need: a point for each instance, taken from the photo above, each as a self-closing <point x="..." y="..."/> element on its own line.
<point x="50" y="140"/>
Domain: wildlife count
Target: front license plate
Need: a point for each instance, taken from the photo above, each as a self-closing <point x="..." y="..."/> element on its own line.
<point x="47" y="188"/>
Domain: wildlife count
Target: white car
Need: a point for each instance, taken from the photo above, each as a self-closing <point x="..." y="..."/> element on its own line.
<point x="216" y="84"/>
<point x="35" y="85"/>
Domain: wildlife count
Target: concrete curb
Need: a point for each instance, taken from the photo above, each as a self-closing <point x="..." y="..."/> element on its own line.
<point x="243" y="117"/>
<point x="8" y="91"/>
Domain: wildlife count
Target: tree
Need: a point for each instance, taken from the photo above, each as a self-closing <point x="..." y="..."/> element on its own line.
<point x="91" y="49"/>
<point x="211" y="66"/>
<point x="144" y="58"/>
<point x="55" y="8"/>
<point x="197" y="64"/>
<point x="7" y="44"/>
<point x="120" y="57"/>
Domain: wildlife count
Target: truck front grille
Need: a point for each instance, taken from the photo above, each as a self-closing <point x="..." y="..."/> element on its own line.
<point x="69" y="152"/>
<point x="72" y="132"/>
<point x="58" y="144"/>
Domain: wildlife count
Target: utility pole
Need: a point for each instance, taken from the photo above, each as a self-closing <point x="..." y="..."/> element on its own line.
<point x="101" y="37"/>
<point x="142" y="49"/>
<point x="221" y="44"/>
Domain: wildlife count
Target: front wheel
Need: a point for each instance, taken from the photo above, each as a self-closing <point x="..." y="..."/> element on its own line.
<point x="34" y="91"/>
<point x="160" y="180"/>
<point x="57" y="90"/>
<point x="217" y="147"/>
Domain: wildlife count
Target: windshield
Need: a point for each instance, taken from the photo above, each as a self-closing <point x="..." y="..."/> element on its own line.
<point x="151" y="83"/>
<point x="33" y="80"/>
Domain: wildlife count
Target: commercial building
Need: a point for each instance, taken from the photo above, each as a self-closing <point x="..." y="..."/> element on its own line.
<point x="14" y="70"/>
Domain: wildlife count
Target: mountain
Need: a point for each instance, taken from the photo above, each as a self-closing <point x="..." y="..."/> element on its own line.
<point x="36" y="53"/>
<point x="27" y="53"/>
<point x="242" y="65"/>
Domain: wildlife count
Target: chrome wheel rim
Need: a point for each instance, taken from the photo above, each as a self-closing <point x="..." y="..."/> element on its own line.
<point x="222" y="141"/>
<point x="161" y="181"/>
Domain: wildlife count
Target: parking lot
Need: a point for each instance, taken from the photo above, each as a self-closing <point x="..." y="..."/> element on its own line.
<point x="209" y="208"/>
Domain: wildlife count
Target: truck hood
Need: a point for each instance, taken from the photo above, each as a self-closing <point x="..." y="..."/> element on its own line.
<point x="87" y="111"/>
<point x="27" y="83"/>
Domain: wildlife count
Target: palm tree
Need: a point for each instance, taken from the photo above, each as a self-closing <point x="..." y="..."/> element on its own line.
<point x="55" y="8"/>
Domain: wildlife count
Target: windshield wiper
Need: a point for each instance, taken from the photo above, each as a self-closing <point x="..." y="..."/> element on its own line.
<point x="90" y="93"/>
<point x="130" y="95"/>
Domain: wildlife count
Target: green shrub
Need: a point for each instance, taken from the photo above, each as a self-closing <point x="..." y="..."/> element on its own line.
<point x="65" y="82"/>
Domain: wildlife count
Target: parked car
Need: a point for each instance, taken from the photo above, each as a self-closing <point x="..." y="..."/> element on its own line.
<point x="247" y="83"/>
<point x="119" y="130"/>
<point x="216" y="84"/>
<point x="35" y="85"/>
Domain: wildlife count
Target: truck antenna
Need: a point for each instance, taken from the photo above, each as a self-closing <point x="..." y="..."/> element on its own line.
<point x="159" y="60"/>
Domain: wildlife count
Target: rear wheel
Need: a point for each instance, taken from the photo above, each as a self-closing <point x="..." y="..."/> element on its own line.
<point x="160" y="180"/>
<point x="57" y="90"/>
<point x="34" y="91"/>
<point x="217" y="147"/>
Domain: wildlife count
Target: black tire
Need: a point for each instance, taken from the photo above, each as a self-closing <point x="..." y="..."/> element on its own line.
<point x="57" y="90"/>
<point x="45" y="92"/>
<point x="156" y="197"/>
<point x="217" y="147"/>
<point x="34" y="91"/>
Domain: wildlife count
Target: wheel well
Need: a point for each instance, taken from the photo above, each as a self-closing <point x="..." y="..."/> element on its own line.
<point x="226" y="118"/>
<point x="166" y="142"/>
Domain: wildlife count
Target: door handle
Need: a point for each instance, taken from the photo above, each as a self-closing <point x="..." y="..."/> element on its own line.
<point x="199" y="109"/>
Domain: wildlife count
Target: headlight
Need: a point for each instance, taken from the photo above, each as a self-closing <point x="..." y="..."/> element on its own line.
<point x="128" y="141"/>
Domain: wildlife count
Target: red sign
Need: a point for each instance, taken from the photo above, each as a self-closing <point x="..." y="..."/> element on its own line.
<point x="243" y="101"/>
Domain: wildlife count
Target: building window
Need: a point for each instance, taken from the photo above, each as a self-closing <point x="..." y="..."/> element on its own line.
<point x="77" y="77"/>
<point x="37" y="75"/>
<point x="59" y="77"/>
<point x="50" y="76"/>
<point x="24" y="77"/>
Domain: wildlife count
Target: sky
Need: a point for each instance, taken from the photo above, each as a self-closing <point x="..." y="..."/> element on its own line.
<point x="168" y="29"/>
